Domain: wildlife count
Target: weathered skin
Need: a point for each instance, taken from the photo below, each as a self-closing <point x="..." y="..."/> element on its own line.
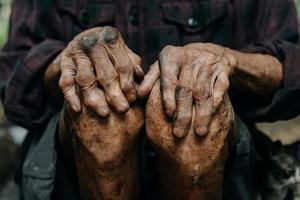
<point x="97" y="70"/>
<point x="189" y="168"/>
<point x="201" y="73"/>
<point x="96" y="75"/>
<point x="105" y="152"/>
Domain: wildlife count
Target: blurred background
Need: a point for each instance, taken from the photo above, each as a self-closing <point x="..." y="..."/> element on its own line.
<point x="12" y="136"/>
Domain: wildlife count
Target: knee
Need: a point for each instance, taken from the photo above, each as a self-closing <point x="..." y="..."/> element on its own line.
<point x="106" y="141"/>
<point x="210" y="148"/>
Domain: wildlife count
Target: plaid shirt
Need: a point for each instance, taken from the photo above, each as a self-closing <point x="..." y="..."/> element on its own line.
<point x="39" y="30"/>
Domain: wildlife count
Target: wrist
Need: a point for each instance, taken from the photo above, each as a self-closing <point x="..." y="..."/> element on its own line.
<point x="232" y="58"/>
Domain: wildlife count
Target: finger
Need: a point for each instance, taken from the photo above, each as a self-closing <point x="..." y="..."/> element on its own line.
<point x="169" y="67"/>
<point x="149" y="80"/>
<point x="220" y="88"/>
<point x="67" y="82"/>
<point x="203" y="102"/>
<point x="93" y="97"/>
<point x="137" y="61"/>
<point x="108" y="78"/>
<point x="123" y="64"/>
<point x="184" y="103"/>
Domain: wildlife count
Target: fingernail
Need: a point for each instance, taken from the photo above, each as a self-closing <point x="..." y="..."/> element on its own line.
<point x="201" y="131"/>
<point x="140" y="92"/>
<point x="103" y="112"/>
<point x="178" y="132"/>
<point x="124" y="107"/>
<point x="131" y="98"/>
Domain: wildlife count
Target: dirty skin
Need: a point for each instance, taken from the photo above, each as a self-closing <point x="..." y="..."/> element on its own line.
<point x="189" y="118"/>
<point x="105" y="152"/>
<point x="191" y="167"/>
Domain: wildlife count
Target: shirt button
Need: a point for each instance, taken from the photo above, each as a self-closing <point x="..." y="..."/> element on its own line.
<point x="134" y="15"/>
<point x="192" y="23"/>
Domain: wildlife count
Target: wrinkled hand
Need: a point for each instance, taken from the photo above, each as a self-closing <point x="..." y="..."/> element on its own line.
<point x="196" y="73"/>
<point x="97" y="70"/>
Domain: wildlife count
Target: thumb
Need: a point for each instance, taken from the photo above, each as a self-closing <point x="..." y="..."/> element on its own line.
<point x="149" y="80"/>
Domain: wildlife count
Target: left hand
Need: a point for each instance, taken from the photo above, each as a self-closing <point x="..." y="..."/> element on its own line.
<point x="197" y="72"/>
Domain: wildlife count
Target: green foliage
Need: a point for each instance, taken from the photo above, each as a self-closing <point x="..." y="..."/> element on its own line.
<point x="4" y="20"/>
<point x="298" y="6"/>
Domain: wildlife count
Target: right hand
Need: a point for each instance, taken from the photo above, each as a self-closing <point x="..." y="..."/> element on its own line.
<point x="97" y="70"/>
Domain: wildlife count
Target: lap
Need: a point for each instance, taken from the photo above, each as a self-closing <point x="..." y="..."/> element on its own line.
<point x="239" y="181"/>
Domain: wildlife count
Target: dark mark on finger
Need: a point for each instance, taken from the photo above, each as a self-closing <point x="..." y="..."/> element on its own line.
<point x="182" y="92"/>
<point x="90" y="40"/>
<point x="109" y="34"/>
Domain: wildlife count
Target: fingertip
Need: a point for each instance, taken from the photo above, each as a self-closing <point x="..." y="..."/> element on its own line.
<point x="178" y="132"/>
<point x="169" y="103"/>
<point x="123" y="107"/>
<point x="131" y="97"/>
<point x="103" y="112"/>
<point x="169" y="108"/>
<point x="145" y="87"/>
<point x="201" y="131"/>
<point x="143" y="91"/>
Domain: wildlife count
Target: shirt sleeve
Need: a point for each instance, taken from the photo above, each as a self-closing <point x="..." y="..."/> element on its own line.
<point x="277" y="35"/>
<point x="23" y="60"/>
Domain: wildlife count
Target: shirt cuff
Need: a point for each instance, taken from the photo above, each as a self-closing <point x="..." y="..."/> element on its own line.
<point x="25" y="101"/>
<point x="284" y="104"/>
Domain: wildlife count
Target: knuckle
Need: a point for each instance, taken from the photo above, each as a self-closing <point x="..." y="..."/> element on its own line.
<point x="66" y="63"/>
<point x="168" y="48"/>
<point x="113" y="95"/>
<point x="201" y="92"/>
<point x="125" y="66"/>
<point x="108" y="82"/>
<point x="128" y="86"/>
<point x="65" y="82"/>
<point x="183" y="93"/>
<point x="223" y="84"/>
<point x="93" y="100"/>
<point x="166" y="51"/>
<point x="84" y="79"/>
<point x="83" y="60"/>
<point x="71" y="45"/>
<point x="211" y="58"/>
